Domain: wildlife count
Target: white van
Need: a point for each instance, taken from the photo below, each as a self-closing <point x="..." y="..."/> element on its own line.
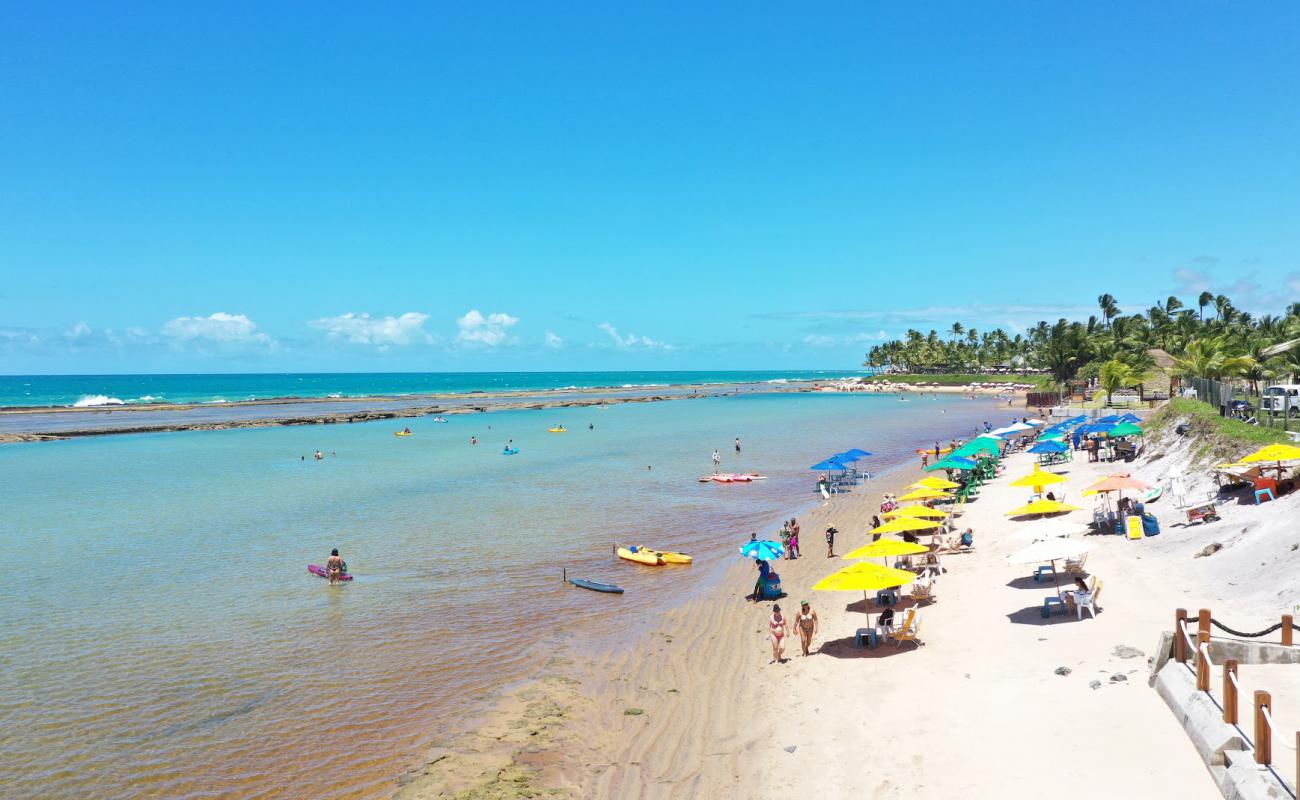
<point x="1283" y="397"/>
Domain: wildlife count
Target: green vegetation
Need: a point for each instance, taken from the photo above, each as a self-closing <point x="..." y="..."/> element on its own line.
<point x="1217" y="439"/>
<point x="1213" y="340"/>
<point x="951" y="379"/>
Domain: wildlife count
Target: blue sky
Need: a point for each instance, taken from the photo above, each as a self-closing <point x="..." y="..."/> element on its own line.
<point x="499" y="186"/>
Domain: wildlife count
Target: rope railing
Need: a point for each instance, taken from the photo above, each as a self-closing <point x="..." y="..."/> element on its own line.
<point x="1188" y="647"/>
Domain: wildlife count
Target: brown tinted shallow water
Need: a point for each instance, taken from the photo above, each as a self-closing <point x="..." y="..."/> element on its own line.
<point x="163" y="638"/>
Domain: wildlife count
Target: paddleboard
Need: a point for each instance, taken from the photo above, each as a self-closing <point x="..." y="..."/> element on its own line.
<point x="509" y="451"/>
<point x="1153" y="494"/>
<point x="315" y="570"/>
<point x="596" y="586"/>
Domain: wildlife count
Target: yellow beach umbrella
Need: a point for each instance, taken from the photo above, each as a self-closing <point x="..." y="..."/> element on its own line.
<point x="920" y="512"/>
<point x="864" y="577"/>
<point x="1040" y="507"/>
<point x="1038" y="479"/>
<point x="888" y="547"/>
<point x="925" y="494"/>
<point x="1274" y="452"/>
<point x="906" y="524"/>
<point x="934" y="482"/>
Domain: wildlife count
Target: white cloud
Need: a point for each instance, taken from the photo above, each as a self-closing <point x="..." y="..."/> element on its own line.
<point x="632" y="340"/>
<point x="490" y="330"/>
<point x="218" y="327"/>
<point x="382" y="331"/>
<point x="79" y="331"/>
<point x="823" y="340"/>
<point x="1192" y="281"/>
<point x="553" y="341"/>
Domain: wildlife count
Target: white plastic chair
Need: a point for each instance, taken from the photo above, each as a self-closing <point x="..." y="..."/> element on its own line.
<point x="1088" y="601"/>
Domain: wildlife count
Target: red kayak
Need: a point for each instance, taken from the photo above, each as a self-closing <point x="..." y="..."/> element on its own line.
<point x="315" y="570"/>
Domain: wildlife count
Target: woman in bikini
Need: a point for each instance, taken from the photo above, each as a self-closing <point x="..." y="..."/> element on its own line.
<point x="777" y="628"/>
<point x="334" y="567"/>
<point x="806" y="622"/>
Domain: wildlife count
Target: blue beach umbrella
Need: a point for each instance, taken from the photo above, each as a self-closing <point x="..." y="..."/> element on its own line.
<point x="829" y="463"/>
<point x="1049" y="447"/>
<point x="845" y="457"/>
<point x="860" y="453"/>
<point x="762" y="550"/>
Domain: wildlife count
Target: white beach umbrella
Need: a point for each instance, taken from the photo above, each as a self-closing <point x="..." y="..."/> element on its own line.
<point x="1050" y="550"/>
<point x="1047" y="529"/>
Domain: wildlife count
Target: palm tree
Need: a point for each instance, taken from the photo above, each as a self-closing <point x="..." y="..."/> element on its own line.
<point x="1204" y="300"/>
<point x="1114" y="375"/>
<point x="1208" y="358"/>
<point x="956" y="330"/>
<point x="1109" y="308"/>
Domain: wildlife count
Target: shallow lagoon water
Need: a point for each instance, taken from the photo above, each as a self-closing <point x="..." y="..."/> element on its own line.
<point x="162" y="637"/>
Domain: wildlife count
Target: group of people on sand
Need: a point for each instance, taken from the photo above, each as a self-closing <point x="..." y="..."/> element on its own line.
<point x="778" y="628"/>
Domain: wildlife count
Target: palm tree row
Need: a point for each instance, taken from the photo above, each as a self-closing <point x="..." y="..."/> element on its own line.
<point x="1214" y="340"/>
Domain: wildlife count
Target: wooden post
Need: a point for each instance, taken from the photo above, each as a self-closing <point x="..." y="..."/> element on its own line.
<point x="1203" y="620"/>
<point x="1202" y="663"/>
<point x="1263" y="736"/>
<point x="1286" y="629"/>
<point x="1229" y="692"/>
<point x="1180" y="644"/>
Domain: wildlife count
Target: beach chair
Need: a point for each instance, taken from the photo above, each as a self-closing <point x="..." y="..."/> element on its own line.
<point x="923" y="592"/>
<point x="1067" y="596"/>
<point x="1076" y="566"/>
<point x="1090" y="602"/>
<point x="909" y="631"/>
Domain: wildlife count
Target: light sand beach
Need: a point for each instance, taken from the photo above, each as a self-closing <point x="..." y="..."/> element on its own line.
<point x="980" y="710"/>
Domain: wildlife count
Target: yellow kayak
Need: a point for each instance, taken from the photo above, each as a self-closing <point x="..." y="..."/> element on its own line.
<point x="399" y="433"/>
<point x="669" y="556"/>
<point x="647" y="557"/>
<point x="556" y="430"/>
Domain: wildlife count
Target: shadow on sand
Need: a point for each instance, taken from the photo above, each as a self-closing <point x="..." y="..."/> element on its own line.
<point x="847" y="648"/>
<point x="1033" y="615"/>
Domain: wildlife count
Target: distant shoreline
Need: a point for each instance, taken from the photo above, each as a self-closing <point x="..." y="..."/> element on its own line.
<point x="377" y="407"/>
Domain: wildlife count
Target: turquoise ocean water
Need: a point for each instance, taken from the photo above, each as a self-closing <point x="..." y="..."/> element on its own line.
<point x="162" y="638"/>
<point x="110" y="390"/>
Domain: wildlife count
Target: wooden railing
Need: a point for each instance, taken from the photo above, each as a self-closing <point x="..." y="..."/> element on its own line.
<point x="1197" y="649"/>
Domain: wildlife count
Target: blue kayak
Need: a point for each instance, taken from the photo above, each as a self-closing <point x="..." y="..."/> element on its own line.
<point x="596" y="586"/>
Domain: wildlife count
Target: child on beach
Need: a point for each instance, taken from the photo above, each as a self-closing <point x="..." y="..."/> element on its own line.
<point x="794" y="536"/>
<point x="830" y="541"/>
<point x="777" y="628"/>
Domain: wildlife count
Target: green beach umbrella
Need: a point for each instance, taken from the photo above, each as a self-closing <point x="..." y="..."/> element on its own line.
<point x="1124" y="429"/>
<point x="1051" y="437"/>
<point x="979" y="446"/>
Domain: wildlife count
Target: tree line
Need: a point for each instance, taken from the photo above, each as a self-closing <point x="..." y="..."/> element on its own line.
<point x="1212" y="339"/>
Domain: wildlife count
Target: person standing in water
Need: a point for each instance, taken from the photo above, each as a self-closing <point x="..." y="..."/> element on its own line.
<point x="335" y="566"/>
<point x="473" y="440"/>
<point x="737" y="444"/>
<point x="717" y="460"/>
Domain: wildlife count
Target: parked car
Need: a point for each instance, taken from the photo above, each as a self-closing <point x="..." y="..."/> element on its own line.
<point x="1282" y="398"/>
